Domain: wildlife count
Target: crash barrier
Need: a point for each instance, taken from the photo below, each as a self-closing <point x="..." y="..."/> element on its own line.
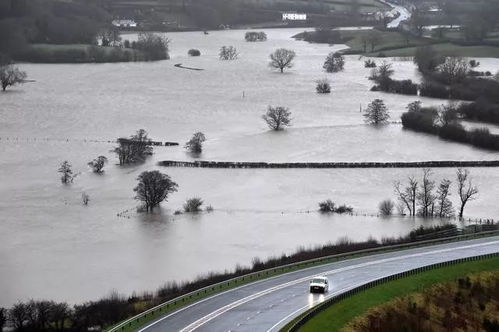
<point x="244" y="164"/>
<point x="308" y="315"/>
<point x="177" y="302"/>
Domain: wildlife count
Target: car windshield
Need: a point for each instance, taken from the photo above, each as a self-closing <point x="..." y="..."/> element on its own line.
<point x="318" y="281"/>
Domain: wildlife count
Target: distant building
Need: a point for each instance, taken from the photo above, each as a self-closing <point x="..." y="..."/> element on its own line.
<point x="124" y="23"/>
<point x="294" y="17"/>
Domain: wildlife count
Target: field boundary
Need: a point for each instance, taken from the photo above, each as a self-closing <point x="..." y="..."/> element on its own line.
<point x="303" y="318"/>
<point x="174" y="304"/>
<point x="415" y="164"/>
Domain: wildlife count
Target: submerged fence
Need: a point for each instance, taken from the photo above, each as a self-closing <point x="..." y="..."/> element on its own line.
<point x="249" y="164"/>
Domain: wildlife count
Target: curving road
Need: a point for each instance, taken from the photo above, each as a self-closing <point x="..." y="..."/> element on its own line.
<point x="269" y="304"/>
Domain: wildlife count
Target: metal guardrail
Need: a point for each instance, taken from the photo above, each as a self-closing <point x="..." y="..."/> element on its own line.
<point x="308" y="315"/>
<point x="183" y="299"/>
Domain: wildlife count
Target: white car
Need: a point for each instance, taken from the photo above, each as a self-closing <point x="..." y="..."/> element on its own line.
<point x="319" y="285"/>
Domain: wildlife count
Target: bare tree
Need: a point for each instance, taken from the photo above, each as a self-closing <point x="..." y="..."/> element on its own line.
<point x="465" y="188"/>
<point x="425" y="196"/>
<point x="195" y="144"/>
<point x="98" y="164"/>
<point x="228" y="53"/>
<point x="334" y="62"/>
<point x="18" y="315"/>
<point x="444" y="205"/>
<point x="277" y="117"/>
<point x="377" y="113"/>
<point x="10" y="75"/>
<point x="454" y="69"/>
<point x="67" y="172"/>
<point x="3" y="318"/>
<point x="386" y="207"/>
<point x="282" y="58"/>
<point x="407" y="195"/>
<point x="153" y="188"/>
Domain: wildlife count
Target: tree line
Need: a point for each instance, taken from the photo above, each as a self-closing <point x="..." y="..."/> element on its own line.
<point x="425" y="197"/>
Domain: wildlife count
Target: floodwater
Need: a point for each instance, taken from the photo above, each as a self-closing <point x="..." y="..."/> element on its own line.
<point x="53" y="247"/>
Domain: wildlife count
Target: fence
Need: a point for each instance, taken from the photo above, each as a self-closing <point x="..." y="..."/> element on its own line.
<point x="335" y="299"/>
<point x="165" y="307"/>
<point x="416" y="164"/>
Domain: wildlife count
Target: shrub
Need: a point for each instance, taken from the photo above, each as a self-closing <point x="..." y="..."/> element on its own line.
<point x="453" y="132"/>
<point x="334" y="62"/>
<point x="422" y="120"/>
<point x="255" y="36"/>
<point x="327" y="206"/>
<point x="405" y="87"/>
<point x="209" y="208"/>
<point x="228" y="53"/>
<point x="369" y="64"/>
<point x="323" y="86"/>
<point x="194" y="52"/>
<point x="177" y="212"/>
<point x="193" y="205"/>
<point x="386" y="207"/>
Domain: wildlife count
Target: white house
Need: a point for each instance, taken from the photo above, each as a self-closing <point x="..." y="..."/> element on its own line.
<point x="124" y="23"/>
<point x="290" y="16"/>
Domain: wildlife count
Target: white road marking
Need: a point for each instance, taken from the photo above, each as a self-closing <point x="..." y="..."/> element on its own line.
<point x="249" y="298"/>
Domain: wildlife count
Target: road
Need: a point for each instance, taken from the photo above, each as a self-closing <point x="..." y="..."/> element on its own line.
<point x="269" y="304"/>
<point x="405" y="14"/>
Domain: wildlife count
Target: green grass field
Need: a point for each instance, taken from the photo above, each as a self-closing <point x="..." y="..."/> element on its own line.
<point x="338" y="315"/>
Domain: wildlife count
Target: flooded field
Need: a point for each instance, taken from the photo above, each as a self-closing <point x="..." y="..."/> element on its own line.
<point x="53" y="247"/>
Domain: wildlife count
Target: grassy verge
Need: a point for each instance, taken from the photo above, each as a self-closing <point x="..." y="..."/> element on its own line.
<point x="338" y="315"/>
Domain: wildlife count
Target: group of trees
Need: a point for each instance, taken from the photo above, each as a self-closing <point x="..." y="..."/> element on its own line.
<point x="133" y="149"/>
<point x="255" y="36"/>
<point x="334" y="62"/>
<point x="328" y="206"/>
<point x="425" y="198"/>
<point x="444" y="123"/>
<point x="382" y="76"/>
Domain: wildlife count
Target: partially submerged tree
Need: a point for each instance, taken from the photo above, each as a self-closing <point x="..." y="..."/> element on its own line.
<point x="426" y="198"/>
<point x="282" y="58"/>
<point x="277" y="117"/>
<point x="465" y="189"/>
<point x="153" y="188"/>
<point x="154" y="46"/>
<point x="444" y="205"/>
<point x="10" y="75"/>
<point x="195" y="144"/>
<point x="427" y="59"/>
<point x="133" y="149"/>
<point x="193" y="205"/>
<point x="252" y="36"/>
<point x="407" y="195"/>
<point x="66" y="172"/>
<point x="386" y="207"/>
<point x="228" y="53"/>
<point x="334" y="62"/>
<point x="98" y="164"/>
<point x="454" y="69"/>
<point x="85" y="198"/>
<point x="377" y="113"/>
<point x="382" y="75"/>
<point x="323" y="86"/>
